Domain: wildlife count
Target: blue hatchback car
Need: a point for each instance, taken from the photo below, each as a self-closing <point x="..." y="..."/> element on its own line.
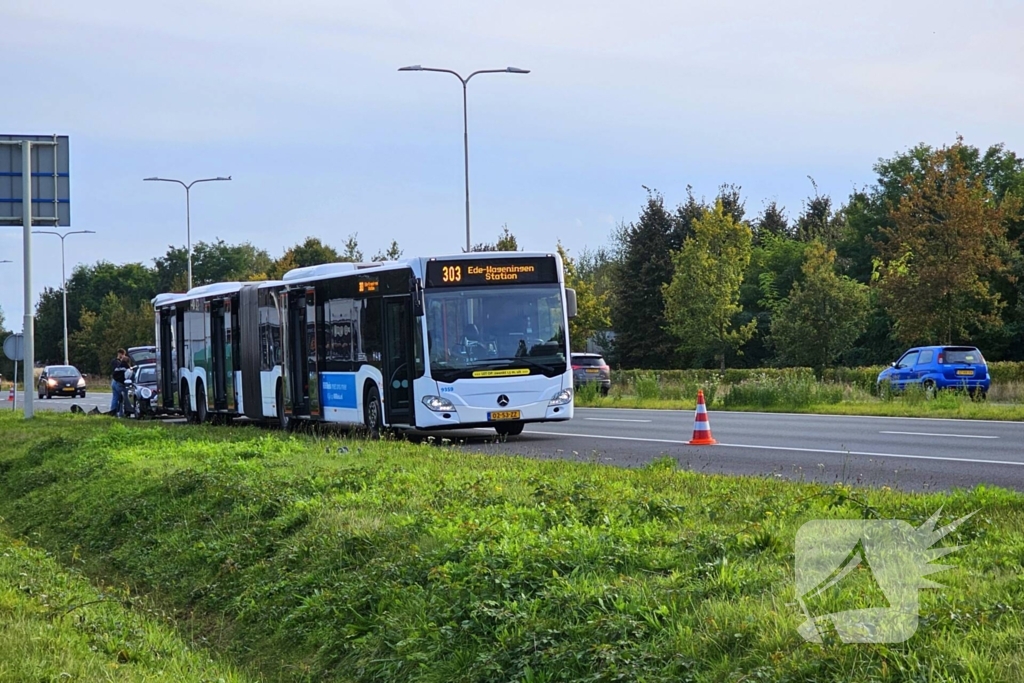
<point x="938" y="367"/>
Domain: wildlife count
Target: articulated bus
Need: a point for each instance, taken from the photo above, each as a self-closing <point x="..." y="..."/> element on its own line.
<point x="474" y="340"/>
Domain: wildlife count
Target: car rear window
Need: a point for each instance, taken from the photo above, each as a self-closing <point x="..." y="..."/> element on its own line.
<point x="588" y="361"/>
<point x="963" y="356"/>
<point x="139" y="356"/>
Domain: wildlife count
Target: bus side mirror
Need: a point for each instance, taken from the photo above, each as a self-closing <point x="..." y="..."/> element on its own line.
<point x="570" y="302"/>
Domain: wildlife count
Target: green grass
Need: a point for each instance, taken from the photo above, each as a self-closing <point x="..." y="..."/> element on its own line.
<point x="55" y="626"/>
<point x="305" y="558"/>
<point x="802" y="394"/>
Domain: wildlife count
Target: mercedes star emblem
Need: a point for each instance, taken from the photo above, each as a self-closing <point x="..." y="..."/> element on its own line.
<point x="503" y="400"/>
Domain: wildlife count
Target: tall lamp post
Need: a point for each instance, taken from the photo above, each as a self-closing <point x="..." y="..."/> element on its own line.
<point x="188" y="212"/>
<point x="465" y="116"/>
<point x="63" y="282"/>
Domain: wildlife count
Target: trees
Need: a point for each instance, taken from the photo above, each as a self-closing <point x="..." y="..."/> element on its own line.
<point x="703" y="296"/>
<point x="87" y="287"/>
<point x="772" y="221"/>
<point x="118" y="322"/>
<point x="823" y="315"/>
<point x="393" y="253"/>
<point x="506" y="242"/>
<point x="935" y="264"/>
<point x="638" y="302"/>
<point x="313" y="252"/>
<point x="592" y="312"/>
<point x="211" y="262"/>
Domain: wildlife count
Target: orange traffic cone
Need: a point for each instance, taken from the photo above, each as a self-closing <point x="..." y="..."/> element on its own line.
<point x="701" y="428"/>
<point x="10" y="396"/>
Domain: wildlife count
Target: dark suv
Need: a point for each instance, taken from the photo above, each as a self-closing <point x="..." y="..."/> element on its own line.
<point x="938" y="367"/>
<point x="590" y="368"/>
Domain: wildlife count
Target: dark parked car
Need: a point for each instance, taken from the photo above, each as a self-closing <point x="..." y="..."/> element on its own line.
<point x="142" y="389"/>
<point x="61" y="380"/>
<point x="590" y="368"/>
<point x="938" y="367"/>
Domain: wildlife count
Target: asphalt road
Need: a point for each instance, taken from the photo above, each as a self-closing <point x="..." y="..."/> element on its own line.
<point x="62" y="404"/>
<point x="905" y="453"/>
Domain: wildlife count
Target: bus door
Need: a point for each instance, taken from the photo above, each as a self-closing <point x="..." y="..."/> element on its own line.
<point x="220" y="354"/>
<point x="398" y="360"/>
<point x="180" y="359"/>
<point x="300" y="354"/>
<point x="167" y="354"/>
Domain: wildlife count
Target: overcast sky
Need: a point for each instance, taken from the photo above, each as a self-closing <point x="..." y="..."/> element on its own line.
<point x="302" y="104"/>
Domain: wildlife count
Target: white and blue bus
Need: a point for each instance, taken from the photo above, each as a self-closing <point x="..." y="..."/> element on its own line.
<point x="474" y="340"/>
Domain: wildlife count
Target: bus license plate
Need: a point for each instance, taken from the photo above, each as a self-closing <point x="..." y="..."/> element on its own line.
<point x="503" y="415"/>
<point x="969" y="373"/>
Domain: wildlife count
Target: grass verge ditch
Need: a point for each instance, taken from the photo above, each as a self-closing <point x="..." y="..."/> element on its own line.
<point x="308" y="558"/>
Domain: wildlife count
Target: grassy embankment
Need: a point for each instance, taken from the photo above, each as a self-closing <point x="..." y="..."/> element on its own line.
<point x="306" y="558"/>
<point x="849" y="392"/>
<point x="55" y="626"/>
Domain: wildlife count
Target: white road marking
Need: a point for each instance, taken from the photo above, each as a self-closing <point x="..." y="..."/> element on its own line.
<point x="957" y="436"/>
<point x="613" y="419"/>
<point x="793" y="449"/>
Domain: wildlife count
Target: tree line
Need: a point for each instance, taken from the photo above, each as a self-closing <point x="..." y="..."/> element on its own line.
<point x="930" y="253"/>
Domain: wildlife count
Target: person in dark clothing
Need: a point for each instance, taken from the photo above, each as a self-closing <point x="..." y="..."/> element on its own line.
<point x="119" y="393"/>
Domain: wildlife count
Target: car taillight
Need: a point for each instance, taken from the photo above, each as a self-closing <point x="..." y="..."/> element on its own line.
<point x="940" y="358"/>
<point x="576" y="367"/>
<point x="606" y="368"/>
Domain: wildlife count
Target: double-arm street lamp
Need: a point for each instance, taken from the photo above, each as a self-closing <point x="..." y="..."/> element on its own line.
<point x="465" y="116"/>
<point x="188" y="212"/>
<point x="63" y="282"/>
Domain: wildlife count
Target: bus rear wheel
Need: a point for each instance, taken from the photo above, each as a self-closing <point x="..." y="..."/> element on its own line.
<point x="201" y="413"/>
<point x="283" y="420"/>
<point x="510" y="429"/>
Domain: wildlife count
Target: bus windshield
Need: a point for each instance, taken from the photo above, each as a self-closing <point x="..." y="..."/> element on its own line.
<point x="491" y="328"/>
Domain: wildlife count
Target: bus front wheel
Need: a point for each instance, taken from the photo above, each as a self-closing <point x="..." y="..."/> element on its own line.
<point x="373" y="414"/>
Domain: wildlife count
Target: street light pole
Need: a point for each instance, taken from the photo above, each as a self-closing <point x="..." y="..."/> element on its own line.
<point x="465" y="117"/>
<point x="63" y="282"/>
<point x="188" y="212"/>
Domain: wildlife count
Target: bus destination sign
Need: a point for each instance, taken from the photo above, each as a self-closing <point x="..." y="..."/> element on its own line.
<point x="497" y="271"/>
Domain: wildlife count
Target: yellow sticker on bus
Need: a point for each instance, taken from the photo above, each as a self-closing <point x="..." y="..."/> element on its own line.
<point x="502" y="373"/>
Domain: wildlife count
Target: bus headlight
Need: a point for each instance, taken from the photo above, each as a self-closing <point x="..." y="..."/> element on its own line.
<point x="561" y="398"/>
<point x="438" y="404"/>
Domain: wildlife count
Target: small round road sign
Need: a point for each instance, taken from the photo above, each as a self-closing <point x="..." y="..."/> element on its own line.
<point x="14" y="347"/>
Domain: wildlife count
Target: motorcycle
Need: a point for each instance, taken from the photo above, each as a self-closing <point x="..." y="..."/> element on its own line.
<point x="140" y="399"/>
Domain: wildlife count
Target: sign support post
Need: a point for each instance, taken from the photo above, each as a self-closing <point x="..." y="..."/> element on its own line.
<point x="30" y="318"/>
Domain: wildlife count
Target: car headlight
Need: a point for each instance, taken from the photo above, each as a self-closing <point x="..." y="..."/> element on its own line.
<point x="146" y="393"/>
<point x="51" y="382"/>
<point x="438" y="404"/>
<point x="81" y="382"/>
<point x="561" y="398"/>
